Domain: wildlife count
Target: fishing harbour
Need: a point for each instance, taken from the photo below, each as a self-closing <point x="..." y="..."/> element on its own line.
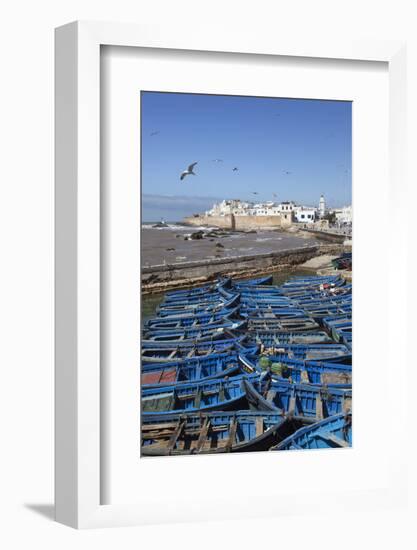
<point x="241" y="365"/>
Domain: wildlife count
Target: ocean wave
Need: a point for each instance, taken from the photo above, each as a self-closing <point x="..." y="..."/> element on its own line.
<point x="169" y="227"/>
<point x="178" y="227"/>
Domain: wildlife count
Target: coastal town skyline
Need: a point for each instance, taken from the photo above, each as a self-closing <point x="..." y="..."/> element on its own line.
<point x="246" y="148"/>
<point x="205" y="204"/>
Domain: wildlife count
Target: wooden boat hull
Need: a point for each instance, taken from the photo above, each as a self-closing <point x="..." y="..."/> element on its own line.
<point x="193" y="320"/>
<point x="191" y="370"/>
<point x="203" y="396"/>
<point x="218" y="305"/>
<point x="297" y="324"/>
<point x="200" y="334"/>
<point x="173" y="354"/>
<point x="274" y="338"/>
<point x="305" y="372"/>
<point x="219" y="339"/>
<point x="299" y="399"/>
<point x="206" y="289"/>
<point x="313" y="301"/>
<point x="311" y="352"/>
<point x="273" y="314"/>
<point x="221" y="432"/>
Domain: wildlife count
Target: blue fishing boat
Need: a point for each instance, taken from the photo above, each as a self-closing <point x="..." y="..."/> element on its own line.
<point x="265" y="280"/>
<point x="339" y="326"/>
<point x="334" y="432"/>
<point x="260" y="291"/>
<point x="264" y="302"/>
<point x="200" y="300"/>
<point x="195" y="369"/>
<point x="310" y="352"/>
<point x="192" y="296"/>
<point x="198" y="291"/>
<point x="325" y="288"/>
<point x="184" y="321"/>
<point x="264" y="305"/>
<point x="298" y="399"/>
<point x="295" y="324"/>
<point x="316" y="294"/>
<point x="271" y="338"/>
<point x="221" y="338"/>
<point x="192" y="334"/>
<point x="314" y="352"/>
<point x="167" y="352"/>
<point x="336" y="321"/>
<point x="220" y="304"/>
<point x="321" y="312"/>
<point x="314" y="280"/>
<point x="303" y="372"/>
<point x="314" y="300"/>
<point x="217" y="432"/>
<point x="272" y="313"/>
<point x="222" y="394"/>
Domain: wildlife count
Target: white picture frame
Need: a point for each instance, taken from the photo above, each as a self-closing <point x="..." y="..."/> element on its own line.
<point x="78" y="260"/>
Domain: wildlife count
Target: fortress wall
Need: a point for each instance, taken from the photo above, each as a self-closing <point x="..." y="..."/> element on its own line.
<point x="256" y="222"/>
<point x="240" y="223"/>
<point x="224" y="222"/>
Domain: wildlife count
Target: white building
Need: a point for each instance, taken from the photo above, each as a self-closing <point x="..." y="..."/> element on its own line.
<point x="227" y="207"/>
<point x="244" y="208"/>
<point x="268" y="208"/>
<point x="344" y="215"/>
<point x="288" y="210"/>
<point x="286" y="206"/>
<point x="305" y="214"/>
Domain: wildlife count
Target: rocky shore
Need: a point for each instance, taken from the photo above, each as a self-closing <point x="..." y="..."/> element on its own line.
<point x="177" y="256"/>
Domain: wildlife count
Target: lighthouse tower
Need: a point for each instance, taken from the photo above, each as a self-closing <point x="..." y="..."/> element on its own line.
<point x="322" y="206"/>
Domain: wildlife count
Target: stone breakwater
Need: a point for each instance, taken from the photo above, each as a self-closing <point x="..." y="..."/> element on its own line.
<point x="159" y="278"/>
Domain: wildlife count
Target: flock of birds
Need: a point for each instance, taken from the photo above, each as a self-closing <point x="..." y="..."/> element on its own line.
<point x="190" y="170"/>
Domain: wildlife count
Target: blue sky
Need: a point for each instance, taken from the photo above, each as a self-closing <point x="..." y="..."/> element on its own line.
<point x="263" y="137"/>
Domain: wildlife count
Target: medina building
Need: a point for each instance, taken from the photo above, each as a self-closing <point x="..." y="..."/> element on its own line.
<point x="305" y="214"/>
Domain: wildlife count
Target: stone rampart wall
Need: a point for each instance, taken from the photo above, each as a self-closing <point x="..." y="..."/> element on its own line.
<point x="239" y="223"/>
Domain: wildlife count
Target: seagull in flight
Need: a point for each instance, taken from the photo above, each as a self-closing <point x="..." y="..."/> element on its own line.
<point x="255" y="193"/>
<point x="287" y="172"/>
<point x="155" y="133"/>
<point x="217" y="160"/>
<point x="235" y="169"/>
<point x="188" y="171"/>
